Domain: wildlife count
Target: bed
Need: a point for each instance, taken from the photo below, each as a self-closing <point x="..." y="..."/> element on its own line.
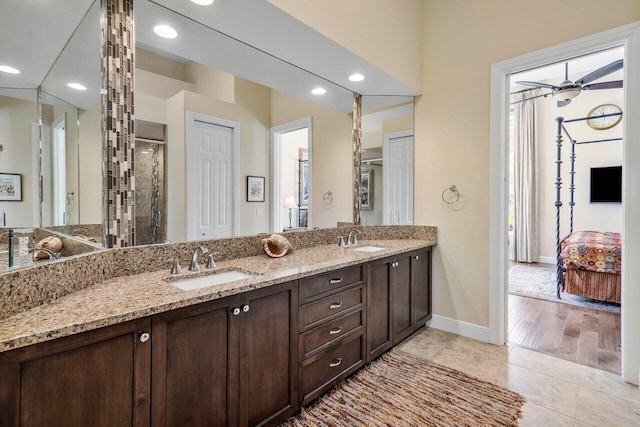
<point x="592" y="264"/>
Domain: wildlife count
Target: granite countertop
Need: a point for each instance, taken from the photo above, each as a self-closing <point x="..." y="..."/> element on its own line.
<point x="131" y="297"/>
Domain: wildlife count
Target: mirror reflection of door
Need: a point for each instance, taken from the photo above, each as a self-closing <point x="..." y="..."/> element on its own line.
<point x="59" y="173"/>
<point x="292" y="170"/>
<point x="211" y="174"/>
<point x="398" y="178"/>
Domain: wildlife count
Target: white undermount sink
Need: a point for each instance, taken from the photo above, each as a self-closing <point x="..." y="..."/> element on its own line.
<point x="368" y="248"/>
<point x="219" y="278"/>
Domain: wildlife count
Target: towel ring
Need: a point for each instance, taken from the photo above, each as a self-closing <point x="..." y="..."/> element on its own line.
<point x="454" y="190"/>
<point x="328" y="198"/>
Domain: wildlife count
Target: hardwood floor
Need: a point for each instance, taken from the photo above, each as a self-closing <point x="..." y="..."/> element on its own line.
<point x="585" y="336"/>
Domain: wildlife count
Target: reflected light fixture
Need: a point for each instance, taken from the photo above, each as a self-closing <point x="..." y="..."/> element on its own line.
<point x="356" y="77"/>
<point x="77" y="86"/>
<point x="9" y="69"/>
<point x="290" y="203"/>
<point x="319" y="91"/>
<point x="202" y="2"/>
<point x="165" y="31"/>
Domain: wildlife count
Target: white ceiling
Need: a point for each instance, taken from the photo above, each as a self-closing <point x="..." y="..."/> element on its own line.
<point x="34" y="32"/>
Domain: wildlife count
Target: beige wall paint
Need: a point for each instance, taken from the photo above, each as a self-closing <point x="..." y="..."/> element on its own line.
<point x="90" y="152"/>
<point x="386" y="33"/>
<point x="331" y="155"/>
<point x="16" y="118"/>
<point x="211" y="82"/>
<point x="462" y="38"/>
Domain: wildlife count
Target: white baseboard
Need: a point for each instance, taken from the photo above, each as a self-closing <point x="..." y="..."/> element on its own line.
<point x="458" y="327"/>
<point x="547" y="259"/>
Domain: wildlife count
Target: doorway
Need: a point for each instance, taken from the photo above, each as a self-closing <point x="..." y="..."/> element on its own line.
<point x="397" y="172"/>
<point x="291" y="166"/>
<point x="59" y="173"/>
<point x="629" y="37"/>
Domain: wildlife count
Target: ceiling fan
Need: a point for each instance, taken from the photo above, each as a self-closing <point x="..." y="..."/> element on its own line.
<point x="569" y="90"/>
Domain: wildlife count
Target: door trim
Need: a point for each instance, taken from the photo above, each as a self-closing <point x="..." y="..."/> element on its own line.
<point x="387" y="137"/>
<point x="276" y="150"/>
<point x="629" y="37"/>
<point x="193" y="117"/>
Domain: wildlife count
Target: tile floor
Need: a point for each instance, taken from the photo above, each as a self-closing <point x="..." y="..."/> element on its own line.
<point x="558" y="392"/>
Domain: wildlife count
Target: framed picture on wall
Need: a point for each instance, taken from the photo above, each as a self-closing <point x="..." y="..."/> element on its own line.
<point x="303" y="170"/>
<point x="10" y="187"/>
<point x="366" y="197"/>
<point x="255" y="188"/>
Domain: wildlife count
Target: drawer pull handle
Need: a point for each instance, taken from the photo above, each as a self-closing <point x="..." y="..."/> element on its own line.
<point x="335" y="330"/>
<point x="335" y="281"/>
<point x="336" y="362"/>
<point x="417" y="257"/>
<point x="336" y="305"/>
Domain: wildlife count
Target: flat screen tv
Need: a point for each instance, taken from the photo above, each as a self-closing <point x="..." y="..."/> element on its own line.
<point x="606" y="185"/>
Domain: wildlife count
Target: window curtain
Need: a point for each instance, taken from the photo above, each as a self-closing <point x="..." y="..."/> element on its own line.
<point x="525" y="236"/>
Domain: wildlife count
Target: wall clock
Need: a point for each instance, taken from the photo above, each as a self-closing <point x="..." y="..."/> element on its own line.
<point x="602" y="123"/>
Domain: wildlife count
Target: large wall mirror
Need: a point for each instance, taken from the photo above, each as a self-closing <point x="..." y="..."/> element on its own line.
<point x="276" y="157"/>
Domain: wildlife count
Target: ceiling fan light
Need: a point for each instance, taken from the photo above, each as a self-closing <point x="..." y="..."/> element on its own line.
<point x="567" y="93"/>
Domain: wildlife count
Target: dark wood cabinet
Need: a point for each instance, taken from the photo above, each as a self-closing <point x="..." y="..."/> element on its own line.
<point x="401" y="307"/>
<point x="228" y="362"/>
<point x="97" y="378"/>
<point x="421" y="287"/>
<point x="379" y="334"/>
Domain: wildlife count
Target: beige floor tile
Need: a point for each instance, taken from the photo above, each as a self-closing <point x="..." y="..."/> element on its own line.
<point x="536" y="416"/>
<point x="604" y="410"/>
<point x="609" y="383"/>
<point x="473" y="357"/>
<point x="426" y="343"/>
<point x="540" y="389"/>
<point x="545" y="364"/>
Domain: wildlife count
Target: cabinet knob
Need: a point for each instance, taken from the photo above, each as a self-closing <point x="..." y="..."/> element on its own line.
<point x="336" y="362"/>
<point x="144" y="336"/>
<point x="245" y="308"/>
<point x="235" y="311"/>
<point x="336" y="305"/>
<point x="335" y="281"/>
<point x="417" y="256"/>
<point x="335" y="330"/>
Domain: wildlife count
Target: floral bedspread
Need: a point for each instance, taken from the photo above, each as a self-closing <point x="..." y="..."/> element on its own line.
<point x="593" y="251"/>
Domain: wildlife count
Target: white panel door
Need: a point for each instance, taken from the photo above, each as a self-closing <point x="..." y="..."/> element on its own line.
<point x="400" y="181"/>
<point x="212" y="171"/>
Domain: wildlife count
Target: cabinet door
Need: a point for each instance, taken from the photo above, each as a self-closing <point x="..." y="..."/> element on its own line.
<point x="97" y="378"/>
<point x="192" y="365"/>
<point x="379" y="338"/>
<point x="268" y="355"/>
<point x="401" y="315"/>
<point x="421" y="288"/>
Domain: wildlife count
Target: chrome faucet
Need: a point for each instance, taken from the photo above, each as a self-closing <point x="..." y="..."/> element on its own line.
<point x="353" y="242"/>
<point x="194" y="260"/>
<point x="212" y="262"/>
<point x="52" y="255"/>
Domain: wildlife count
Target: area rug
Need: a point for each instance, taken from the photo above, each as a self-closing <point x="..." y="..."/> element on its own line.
<point x="402" y="390"/>
<point x="540" y="283"/>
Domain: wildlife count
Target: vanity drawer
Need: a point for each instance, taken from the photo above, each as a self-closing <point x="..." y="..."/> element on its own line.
<point x="329" y="332"/>
<point x="329" y="307"/>
<point x="321" y="372"/>
<point x="326" y="282"/>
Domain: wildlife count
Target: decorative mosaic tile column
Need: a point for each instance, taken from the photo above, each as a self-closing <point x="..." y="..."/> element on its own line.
<point x="118" y="145"/>
<point x="357" y="156"/>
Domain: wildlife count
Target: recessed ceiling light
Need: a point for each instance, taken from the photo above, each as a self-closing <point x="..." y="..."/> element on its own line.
<point x="77" y="86"/>
<point x="202" y="2"/>
<point x="9" y="69"/>
<point x="319" y="91"/>
<point x="356" y="77"/>
<point x="165" y="31"/>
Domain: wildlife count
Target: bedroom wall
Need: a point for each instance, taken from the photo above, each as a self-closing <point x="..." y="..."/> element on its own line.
<point x="587" y="216"/>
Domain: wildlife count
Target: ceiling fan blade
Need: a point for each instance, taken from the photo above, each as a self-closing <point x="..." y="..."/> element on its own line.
<point x="537" y="84"/>
<point x="601" y="72"/>
<point x="614" y="84"/>
<point x="544" y="95"/>
<point x="564" y="102"/>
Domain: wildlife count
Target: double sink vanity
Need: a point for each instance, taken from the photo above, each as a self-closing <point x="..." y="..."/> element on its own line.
<point x="116" y="340"/>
